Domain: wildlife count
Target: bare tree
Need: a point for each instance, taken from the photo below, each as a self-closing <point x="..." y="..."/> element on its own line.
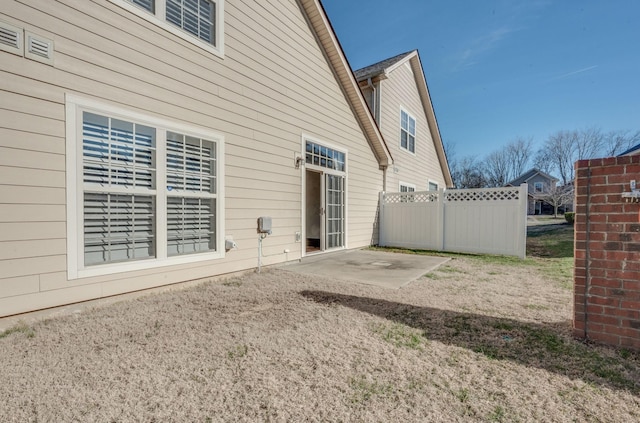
<point x="557" y="196"/>
<point x="616" y="142"/>
<point x="588" y="144"/>
<point x="497" y="168"/>
<point x="470" y="173"/>
<point x="543" y="162"/>
<point x="564" y="148"/>
<point x="519" y="153"/>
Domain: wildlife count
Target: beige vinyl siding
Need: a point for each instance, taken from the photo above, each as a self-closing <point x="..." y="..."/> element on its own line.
<point x="273" y="85"/>
<point x="400" y="91"/>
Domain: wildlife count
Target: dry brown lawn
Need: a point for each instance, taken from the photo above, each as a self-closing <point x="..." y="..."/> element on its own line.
<point x="480" y="339"/>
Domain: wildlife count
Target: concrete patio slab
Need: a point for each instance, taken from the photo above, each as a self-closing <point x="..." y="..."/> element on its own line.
<point x="387" y="270"/>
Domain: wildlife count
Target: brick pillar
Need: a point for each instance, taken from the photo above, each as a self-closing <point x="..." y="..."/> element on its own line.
<point x="607" y="252"/>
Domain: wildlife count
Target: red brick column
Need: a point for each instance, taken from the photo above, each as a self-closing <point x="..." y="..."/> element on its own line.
<point x="607" y="252"/>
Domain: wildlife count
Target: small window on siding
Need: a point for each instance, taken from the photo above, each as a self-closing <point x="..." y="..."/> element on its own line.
<point x="145" y="4"/>
<point x="406" y="188"/>
<point x="199" y="21"/>
<point x="194" y="16"/>
<point x="538" y="187"/>
<point x="433" y="186"/>
<point x="322" y="156"/>
<point x="407" y="132"/>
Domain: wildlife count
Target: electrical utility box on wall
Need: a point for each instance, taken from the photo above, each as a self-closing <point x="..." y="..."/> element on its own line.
<point x="264" y="225"/>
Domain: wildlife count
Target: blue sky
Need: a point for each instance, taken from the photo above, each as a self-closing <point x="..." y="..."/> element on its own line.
<point x="502" y="69"/>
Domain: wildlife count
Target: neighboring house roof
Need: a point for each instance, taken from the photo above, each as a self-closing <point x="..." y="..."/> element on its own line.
<point x="332" y="49"/>
<point x="380" y="67"/>
<point x="525" y="177"/>
<point x="632" y="151"/>
<point x="383" y="68"/>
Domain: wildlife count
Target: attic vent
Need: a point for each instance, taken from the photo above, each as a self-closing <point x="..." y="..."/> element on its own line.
<point x="39" y="48"/>
<point x="10" y="38"/>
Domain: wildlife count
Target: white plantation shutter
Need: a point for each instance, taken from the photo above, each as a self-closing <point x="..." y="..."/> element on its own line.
<point x="117" y="154"/>
<point x="197" y="17"/>
<point x="121" y="192"/>
<point x="191" y="187"/>
<point x="118" y="227"/>
<point x="190" y="225"/>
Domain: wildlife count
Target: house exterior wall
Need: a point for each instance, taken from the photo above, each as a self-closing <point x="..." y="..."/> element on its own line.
<point x="272" y="86"/>
<point x="607" y="253"/>
<point x="398" y="92"/>
<point x="538" y="178"/>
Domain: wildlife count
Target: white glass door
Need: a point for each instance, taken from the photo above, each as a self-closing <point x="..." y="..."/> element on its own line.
<point x="334" y="206"/>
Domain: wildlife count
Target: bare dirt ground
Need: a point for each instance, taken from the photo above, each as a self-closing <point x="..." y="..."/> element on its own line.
<point x="480" y="339"/>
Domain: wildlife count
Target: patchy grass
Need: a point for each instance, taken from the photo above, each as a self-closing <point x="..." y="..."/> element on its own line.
<point x="400" y="335"/>
<point x="22" y="328"/>
<point x="554" y="241"/>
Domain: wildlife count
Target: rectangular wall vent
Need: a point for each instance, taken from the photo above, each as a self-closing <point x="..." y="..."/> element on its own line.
<point x="38" y="48"/>
<point x="10" y="38"/>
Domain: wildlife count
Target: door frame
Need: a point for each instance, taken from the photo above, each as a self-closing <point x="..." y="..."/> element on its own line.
<point x="323" y="171"/>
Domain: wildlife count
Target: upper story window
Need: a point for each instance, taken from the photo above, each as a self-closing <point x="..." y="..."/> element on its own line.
<point x="538" y="187"/>
<point x="198" y="21"/>
<point x="407" y="131"/>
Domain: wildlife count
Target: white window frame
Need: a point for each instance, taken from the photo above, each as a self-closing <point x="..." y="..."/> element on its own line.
<point x="76" y="269"/>
<point x="537" y="190"/>
<point x="415" y="128"/>
<point x="409" y="187"/>
<point x="429" y="183"/>
<point x="158" y="18"/>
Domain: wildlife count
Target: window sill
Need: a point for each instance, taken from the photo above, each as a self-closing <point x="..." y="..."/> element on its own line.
<point x="122" y="267"/>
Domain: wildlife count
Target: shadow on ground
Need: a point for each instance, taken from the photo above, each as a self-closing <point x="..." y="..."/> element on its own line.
<point x="545" y="346"/>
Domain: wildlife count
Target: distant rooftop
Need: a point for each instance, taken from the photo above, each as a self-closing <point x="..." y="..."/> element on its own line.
<point x="379" y="68"/>
<point x="528" y="175"/>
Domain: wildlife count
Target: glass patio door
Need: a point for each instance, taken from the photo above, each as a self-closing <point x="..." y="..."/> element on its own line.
<point x="334" y="216"/>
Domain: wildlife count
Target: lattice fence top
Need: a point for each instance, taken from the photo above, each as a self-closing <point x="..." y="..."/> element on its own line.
<point x="411" y="197"/>
<point x="490" y="194"/>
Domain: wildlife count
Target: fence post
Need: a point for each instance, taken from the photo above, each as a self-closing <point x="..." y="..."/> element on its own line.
<point x="522" y="212"/>
<point x="381" y="229"/>
<point x="441" y="218"/>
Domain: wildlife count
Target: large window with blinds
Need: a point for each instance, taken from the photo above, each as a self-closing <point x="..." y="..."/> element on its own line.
<point x="148" y="192"/>
<point x="200" y="19"/>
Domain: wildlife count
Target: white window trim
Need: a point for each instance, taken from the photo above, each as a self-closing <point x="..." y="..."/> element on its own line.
<point x="317" y="140"/>
<point x="218" y="49"/>
<point x="404" y="184"/>
<point x="75" y="237"/>
<point x="415" y="137"/>
<point x="429" y="182"/>
<point x="535" y="187"/>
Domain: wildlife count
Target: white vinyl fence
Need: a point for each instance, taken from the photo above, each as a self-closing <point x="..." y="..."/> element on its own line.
<point x="486" y="221"/>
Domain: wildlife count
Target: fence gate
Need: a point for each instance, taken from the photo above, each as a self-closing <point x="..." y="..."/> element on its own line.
<point x="484" y="221"/>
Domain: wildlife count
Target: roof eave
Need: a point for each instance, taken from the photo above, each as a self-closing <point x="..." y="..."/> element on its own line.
<point x="328" y="40"/>
<point x="425" y="97"/>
